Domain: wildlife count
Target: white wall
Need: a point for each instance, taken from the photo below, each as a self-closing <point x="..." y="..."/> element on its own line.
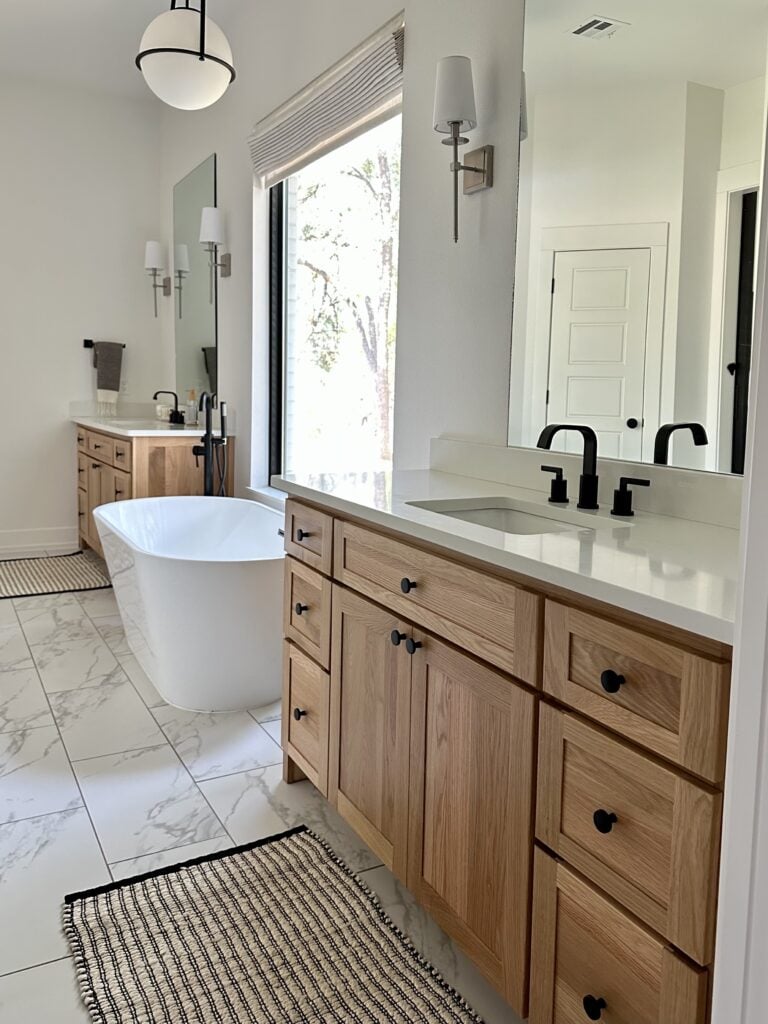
<point x="455" y="302"/>
<point x="743" y="124"/>
<point x="79" y="196"/>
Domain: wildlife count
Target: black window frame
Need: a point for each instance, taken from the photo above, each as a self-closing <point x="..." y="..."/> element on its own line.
<point x="276" y="325"/>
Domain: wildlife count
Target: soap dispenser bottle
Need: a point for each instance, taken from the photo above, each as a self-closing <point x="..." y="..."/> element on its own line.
<point x="191" y="414"/>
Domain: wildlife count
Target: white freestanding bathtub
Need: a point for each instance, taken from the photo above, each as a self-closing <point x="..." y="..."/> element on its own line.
<point x="199" y="585"/>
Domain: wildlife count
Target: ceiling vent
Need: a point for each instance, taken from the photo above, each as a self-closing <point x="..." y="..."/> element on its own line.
<point x="599" y="28"/>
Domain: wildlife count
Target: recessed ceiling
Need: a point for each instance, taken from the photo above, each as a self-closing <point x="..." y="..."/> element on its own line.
<point x="91" y="43"/>
<point x="719" y="43"/>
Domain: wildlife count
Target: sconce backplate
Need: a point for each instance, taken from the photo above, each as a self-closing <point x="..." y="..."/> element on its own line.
<point x="481" y="175"/>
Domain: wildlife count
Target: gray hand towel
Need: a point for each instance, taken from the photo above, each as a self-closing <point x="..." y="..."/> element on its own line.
<point x="209" y="355"/>
<point x="108" y="360"/>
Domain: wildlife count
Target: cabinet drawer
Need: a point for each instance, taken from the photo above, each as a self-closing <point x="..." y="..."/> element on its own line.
<point x="662" y="696"/>
<point x="306" y="695"/>
<point x="309" y="536"/>
<point x="82" y="470"/>
<point x="307" y="610"/>
<point x="647" y="836"/>
<point x="492" y="618"/>
<point x="122" y="455"/>
<point x="101" y="447"/>
<point x="591" y="961"/>
<point x="117" y="485"/>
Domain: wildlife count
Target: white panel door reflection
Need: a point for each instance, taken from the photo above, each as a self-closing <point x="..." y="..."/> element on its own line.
<point x="598" y="340"/>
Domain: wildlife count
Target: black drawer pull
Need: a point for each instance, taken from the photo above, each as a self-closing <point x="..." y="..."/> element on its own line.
<point x="302" y="535"/>
<point x="611" y="681"/>
<point x="298" y="714"/>
<point x="95" y="465"/>
<point x="412" y="645"/>
<point x="80" y="439"/>
<point x="593" y="1007"/>
<point x="396" y="637"/>
<point x="81" y="514"/>
<point x="300" y="608"/>
<point x="119" y="455"/>
<point x="407" y="585"/>
<point x="604" y="821"/>
<point x="80" y="469"/>
<point x="96" y="445"/>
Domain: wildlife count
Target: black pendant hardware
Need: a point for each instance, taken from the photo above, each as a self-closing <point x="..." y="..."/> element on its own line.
<point x="407" y="585"/>
<point x="396" y="637"/>
<point x="412" y="645"/>
<point x="604" y="821"/>
<point x="611" y="681"/>
<point x="298" y="714"/>
<point x="593" y="1007"/>
<point x="300" y="608"/>
<point x="302" y="535"/>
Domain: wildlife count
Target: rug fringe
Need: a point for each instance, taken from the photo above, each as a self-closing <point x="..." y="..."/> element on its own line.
<point x="87" y="993"/>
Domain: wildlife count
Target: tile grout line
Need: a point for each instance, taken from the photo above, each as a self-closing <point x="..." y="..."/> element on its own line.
<point x="32" y="967"/>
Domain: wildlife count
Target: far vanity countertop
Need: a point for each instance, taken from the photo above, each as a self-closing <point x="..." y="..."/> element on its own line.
<point x="138" y="427"/>
<point x="672" y="570"/>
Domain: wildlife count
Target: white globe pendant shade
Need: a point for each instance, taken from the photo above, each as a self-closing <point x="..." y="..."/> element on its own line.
<point x="170" y="61"/>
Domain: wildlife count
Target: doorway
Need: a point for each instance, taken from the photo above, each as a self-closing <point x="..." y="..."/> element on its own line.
<point x="740" y="367"/>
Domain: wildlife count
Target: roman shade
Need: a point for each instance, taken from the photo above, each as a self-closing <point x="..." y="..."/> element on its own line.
<point x="362" y="90"/>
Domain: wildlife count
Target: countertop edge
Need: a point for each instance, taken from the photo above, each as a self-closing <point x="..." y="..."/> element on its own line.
<point x="688" y="619"/>
<point x="91" y="423"/>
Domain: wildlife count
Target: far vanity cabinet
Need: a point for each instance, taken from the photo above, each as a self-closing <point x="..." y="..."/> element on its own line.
<point x="370" y="725"/>
<point x="470" y="839"/>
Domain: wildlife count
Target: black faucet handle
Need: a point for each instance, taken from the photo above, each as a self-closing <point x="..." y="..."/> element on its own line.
<point x="622" y="498"/>
<point x="558" y="493"/>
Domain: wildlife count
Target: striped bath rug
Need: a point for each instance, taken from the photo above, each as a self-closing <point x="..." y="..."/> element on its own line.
<point x="53" y="574"/>
<point x="276" y="932"/>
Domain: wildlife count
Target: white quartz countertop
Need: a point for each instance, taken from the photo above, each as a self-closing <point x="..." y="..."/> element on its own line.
<point x="673" y="570"/>
<point x="138" y="427"/>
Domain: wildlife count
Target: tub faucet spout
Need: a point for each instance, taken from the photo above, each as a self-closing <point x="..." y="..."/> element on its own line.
<point x="208" y="443"/>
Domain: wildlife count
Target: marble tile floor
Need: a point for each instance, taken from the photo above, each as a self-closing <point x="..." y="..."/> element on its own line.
<point x="100" y="779"/>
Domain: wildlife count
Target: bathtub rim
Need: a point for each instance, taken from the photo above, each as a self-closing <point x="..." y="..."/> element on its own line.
<point x="102" y="519"/>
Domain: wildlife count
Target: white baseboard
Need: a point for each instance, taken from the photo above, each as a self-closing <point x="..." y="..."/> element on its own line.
<point x="19" y="543"/>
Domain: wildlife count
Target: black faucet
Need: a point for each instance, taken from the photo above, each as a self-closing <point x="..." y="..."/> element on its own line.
<point x="663" y="435"/>
<point x="176" y="416"/>
<point x="588" y="479"/>
<point x="210" y="443"/>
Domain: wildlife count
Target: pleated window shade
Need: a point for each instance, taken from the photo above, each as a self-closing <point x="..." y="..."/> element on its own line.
<point x="361" y="91"/>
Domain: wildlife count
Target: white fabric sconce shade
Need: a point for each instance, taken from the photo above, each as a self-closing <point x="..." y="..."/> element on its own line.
<point x="154" y="256"/>
<point x="186" y="59"/>
<point x="181" y="259"/>
<point x="454" y="95"/>
<point x="211" y="226"/>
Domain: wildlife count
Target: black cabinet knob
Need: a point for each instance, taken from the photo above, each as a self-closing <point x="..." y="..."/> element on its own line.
<point x="611" y="681"/>
<point x="407" y="585"/>
<point x="633" y="423"/>
<point x="594" y="1006"/>
<point x="302" y="535"/>
<point x="604" y="821"/>
<point x="396" y="637"/>
<point x="300" y="608"/>
<point x="298" y="714"/>
<point x="412" y="645"/>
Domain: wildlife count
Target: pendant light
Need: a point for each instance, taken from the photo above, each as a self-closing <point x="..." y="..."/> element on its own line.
<point x="185" y="58"/>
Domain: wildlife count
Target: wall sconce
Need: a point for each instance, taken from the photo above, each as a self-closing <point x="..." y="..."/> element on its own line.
<point x="154" y="263"/>
<point x="181" y="269"/>
<point x="455" y="113"/>
<point x="211" y="237"/>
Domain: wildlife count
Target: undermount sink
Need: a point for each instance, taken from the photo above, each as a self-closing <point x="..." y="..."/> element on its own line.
<point x="511" y="516"/>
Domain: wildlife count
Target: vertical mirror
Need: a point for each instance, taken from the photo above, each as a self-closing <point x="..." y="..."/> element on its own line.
<point x="195" y="287"/>
<point x="640" y="164"/>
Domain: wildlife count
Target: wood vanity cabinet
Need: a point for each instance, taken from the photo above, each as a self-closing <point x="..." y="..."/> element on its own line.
<point x="478" y="724"/>
<point x="114" y="468"/>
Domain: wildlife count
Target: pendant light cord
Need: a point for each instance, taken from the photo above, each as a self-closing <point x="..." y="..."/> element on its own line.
<point x="202" y="29"/>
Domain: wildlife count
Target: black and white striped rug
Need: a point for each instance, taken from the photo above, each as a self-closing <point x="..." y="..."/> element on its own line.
<point x="54" y="574"/>
<point x="276" y="932"/>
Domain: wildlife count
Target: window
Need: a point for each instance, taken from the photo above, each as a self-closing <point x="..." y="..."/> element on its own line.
<point x="334" y="259"/>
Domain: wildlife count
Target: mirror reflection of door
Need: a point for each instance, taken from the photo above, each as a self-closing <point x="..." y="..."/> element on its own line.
<point x="598" y="341"/>
<point x="740" y="367"/>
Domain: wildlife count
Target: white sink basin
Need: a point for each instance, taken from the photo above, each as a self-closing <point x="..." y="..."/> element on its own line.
<point x="511" y="516"/>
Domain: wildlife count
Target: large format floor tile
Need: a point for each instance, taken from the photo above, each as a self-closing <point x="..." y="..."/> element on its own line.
<point x="41" y="860"/>
<point x="437" y="947"/>
<point x="7" y="613"/>
<point x="54" y="625"/>
<point x="144" y="685"/>
<point x="269" y="713"/>
<point x="22" y="701"/>
<point x="14" y="653"/>
<point x="111" y="630"/>
<point x="143" y="802"/>
<point x="35" y="775"/>
<point x="43" y="995"/>
<point x="168" y="858"/>
<point x="41" y="601"/>
<point x="73" y="663"/>
<point x="258" y="803"/>
<point x="104" y="719"/>
<point x="214" y="745"/>
<point x="98" y="602"/>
